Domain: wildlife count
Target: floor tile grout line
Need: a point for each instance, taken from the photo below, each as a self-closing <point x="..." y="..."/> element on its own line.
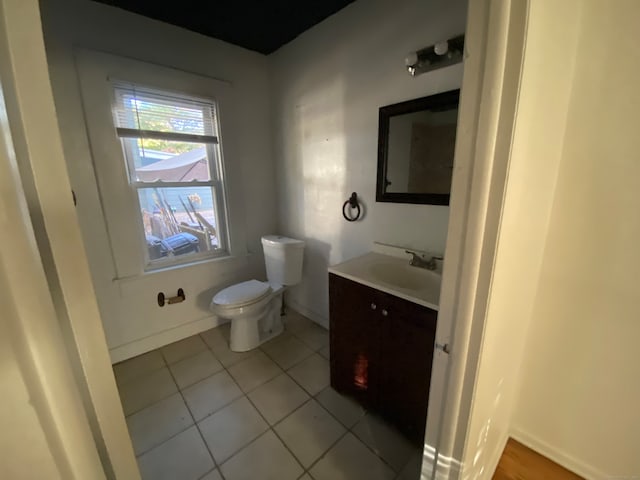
<point x="221" y="407"/>
<point x="226" y="370"/>
<point x="305" y="342"/>
<point x="308" y="470"/>
<point x="298" y="362"/>
<point x="207" y="346"/>
<point x="260" y="347"/>
<point x="255" y="387"/>
<point x="371" y="448"/>
<point x="347" y="429"/>
<point x="165" y="440"/>
<point x="246" y="394"/>
<point x="271" y="427"/>
<point x="252" y="441"/>
<point x="129" y="380"/>
<point x="204" y="441"/>
<point x="122" y="383"/>
<point x="313" y="397"/>
<point x="350" y="430"/>
<point x="195" y="422"/>
<point x="199" y="380"/>
<point x="180" y="390"/>
<point x="211" y="471"/>
<point x="191" y="354"/>
<point x="211" y="349"/>
<point x="292" y="411"/>
<point x="155" y="402"/>
<point x="167" y="365"/>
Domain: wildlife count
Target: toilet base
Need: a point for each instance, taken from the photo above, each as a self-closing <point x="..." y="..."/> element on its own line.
<point x="250" y="332"/>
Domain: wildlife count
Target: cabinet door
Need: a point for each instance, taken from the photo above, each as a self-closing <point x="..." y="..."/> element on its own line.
<point x="355" y="340"/>
<point x="407" y="356"/>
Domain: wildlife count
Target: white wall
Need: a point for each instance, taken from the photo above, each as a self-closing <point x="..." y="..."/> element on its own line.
<point x="327" y="87"/>
<point x="534" y="153"/>
<point x="76" y="23"/>
<point x="580" y="391"/>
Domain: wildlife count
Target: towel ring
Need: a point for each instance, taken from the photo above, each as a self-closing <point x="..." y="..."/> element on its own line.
<point x="352" y="203"/>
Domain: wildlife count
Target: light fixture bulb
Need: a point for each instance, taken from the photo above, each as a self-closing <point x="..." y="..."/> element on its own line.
<point x="441" y="48"/>
<point x="411" y="59"/>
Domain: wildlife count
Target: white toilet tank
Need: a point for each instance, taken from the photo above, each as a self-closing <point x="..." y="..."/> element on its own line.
<point x="283" y="259"/>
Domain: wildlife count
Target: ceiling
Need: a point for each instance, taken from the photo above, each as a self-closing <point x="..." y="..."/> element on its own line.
<point x="260" y="25"/>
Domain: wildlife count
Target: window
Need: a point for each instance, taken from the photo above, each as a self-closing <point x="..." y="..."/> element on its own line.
<point x="172" y="152"/>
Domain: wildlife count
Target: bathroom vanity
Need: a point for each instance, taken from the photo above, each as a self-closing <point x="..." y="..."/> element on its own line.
<point x="383" y="316"/>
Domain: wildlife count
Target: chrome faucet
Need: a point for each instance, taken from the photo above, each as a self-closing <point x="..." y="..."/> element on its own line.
<point x="421" y="262"/>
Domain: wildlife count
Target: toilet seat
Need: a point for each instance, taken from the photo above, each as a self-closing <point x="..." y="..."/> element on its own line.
<point x="242" y="294"/>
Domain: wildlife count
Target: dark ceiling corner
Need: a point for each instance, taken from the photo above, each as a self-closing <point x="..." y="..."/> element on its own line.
<point x="263" y="26"/>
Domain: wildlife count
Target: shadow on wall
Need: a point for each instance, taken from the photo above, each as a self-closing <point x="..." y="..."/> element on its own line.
<point x="313" y="173"/>
<point x="313" y="291"/>
<point x="329" y="84"/>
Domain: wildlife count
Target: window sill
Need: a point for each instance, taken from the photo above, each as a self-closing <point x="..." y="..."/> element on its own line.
<point x="197" y="262"/>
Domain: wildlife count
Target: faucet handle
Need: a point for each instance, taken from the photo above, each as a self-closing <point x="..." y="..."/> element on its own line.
<point x="414" y="255"/>
<point x="415" y="258"/>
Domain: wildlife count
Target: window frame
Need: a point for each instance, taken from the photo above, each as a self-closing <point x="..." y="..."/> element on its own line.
<point x="214" y="160"/>
<point x="112" y="217"/>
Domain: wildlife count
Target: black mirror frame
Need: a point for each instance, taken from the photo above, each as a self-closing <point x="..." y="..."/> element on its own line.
<point x="445" y="99"/>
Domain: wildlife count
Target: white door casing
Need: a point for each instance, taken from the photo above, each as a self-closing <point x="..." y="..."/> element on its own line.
<point x="494" y="49"/>
<point x="60" y="253"/>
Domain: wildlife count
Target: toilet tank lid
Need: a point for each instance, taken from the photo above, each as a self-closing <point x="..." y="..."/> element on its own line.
<point x="280" y="241"/>
<point x="241" y="293"/>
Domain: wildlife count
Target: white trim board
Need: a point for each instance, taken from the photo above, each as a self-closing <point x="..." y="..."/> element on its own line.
<point x="561" y="458"/>
<point x="161" y="339"/>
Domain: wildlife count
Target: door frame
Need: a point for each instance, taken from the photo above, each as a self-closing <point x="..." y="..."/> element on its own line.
<point x="486" y="116"/>
<point x="494" y="53"/>
<point x="44" y="178"/>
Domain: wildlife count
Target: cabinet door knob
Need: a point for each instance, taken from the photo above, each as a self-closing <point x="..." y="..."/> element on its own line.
<point x="373" y="306"/>
<point x="384" y="313"/>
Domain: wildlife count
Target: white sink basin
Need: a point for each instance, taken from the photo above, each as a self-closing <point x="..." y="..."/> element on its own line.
<point x="393" y="275"/>
<point x="403" y="276"/>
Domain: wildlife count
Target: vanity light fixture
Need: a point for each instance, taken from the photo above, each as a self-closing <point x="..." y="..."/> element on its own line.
<point x="442" y="54"/>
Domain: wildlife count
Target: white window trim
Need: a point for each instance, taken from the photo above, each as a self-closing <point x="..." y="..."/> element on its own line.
<point x="97" y="73"/>
<point x="216" y="172"/>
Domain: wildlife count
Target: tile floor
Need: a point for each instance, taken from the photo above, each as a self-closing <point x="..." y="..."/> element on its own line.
<point x="198" y="411"/>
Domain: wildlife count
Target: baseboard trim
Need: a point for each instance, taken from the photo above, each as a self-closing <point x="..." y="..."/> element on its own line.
<point x="310" y="314"/>
<point x="160" y="339"/>
<point x="564" y="460"/>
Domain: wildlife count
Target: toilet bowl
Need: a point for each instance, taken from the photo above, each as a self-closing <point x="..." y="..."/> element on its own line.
<point x="252" y="306"/>
<point x="254" y="310"/>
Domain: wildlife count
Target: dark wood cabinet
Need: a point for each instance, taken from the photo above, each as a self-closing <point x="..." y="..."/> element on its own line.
<point x="381" y="352"/>
<point x="355" y="339"/>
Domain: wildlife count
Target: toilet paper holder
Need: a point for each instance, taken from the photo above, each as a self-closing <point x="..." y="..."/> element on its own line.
<point x="180" y="297"/>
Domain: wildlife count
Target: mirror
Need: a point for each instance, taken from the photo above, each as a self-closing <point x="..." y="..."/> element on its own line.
<point x="416" y="143"/>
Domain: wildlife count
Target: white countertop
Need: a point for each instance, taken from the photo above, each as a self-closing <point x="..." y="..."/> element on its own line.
<point x="393" y="275"/>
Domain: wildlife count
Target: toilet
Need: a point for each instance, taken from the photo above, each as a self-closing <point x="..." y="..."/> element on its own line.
<point x="254" y="306"/>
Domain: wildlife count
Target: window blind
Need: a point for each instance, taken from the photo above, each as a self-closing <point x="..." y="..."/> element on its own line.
<point x="140" y="112"/>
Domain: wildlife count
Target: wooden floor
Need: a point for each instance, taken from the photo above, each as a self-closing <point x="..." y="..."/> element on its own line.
<point x="521" y="463"/>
